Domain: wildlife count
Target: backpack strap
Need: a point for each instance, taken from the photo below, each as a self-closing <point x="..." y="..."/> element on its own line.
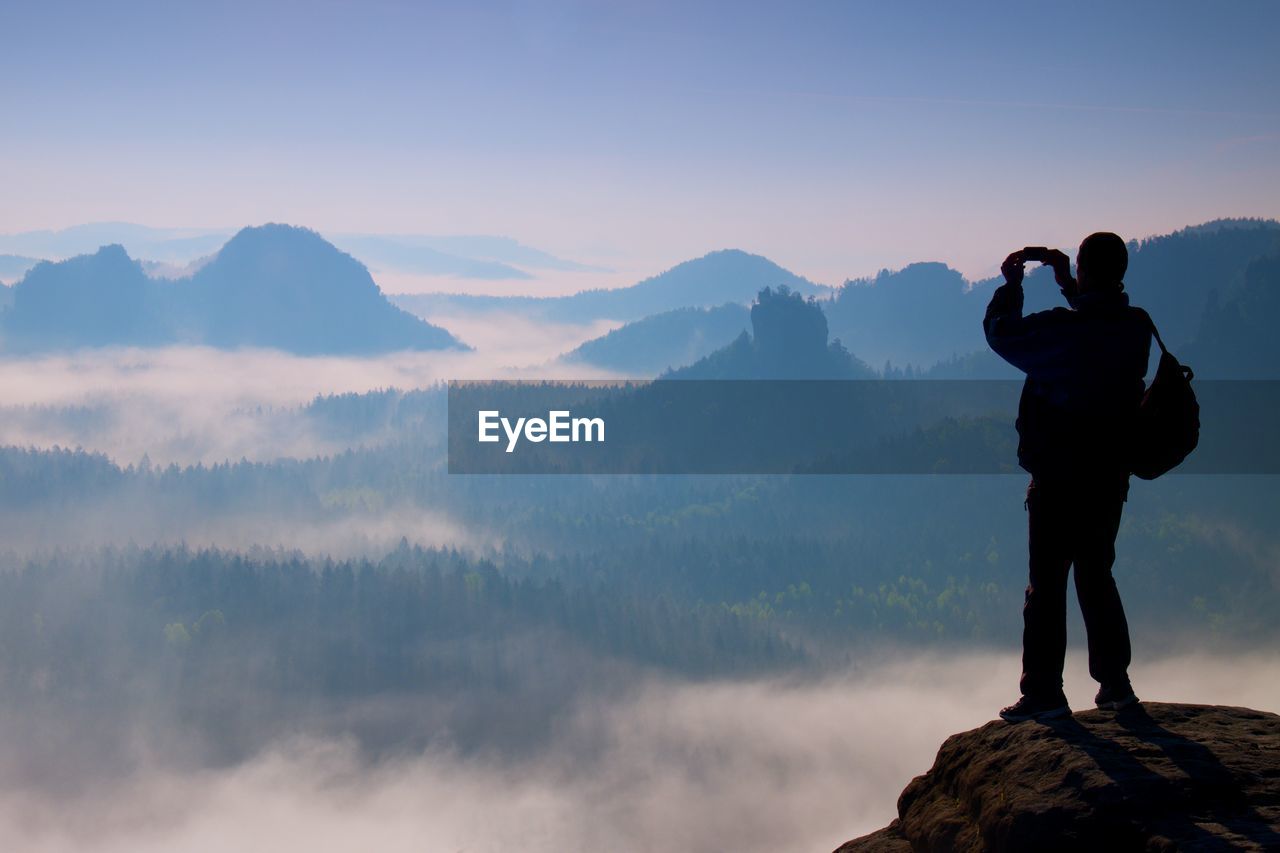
<point x="1151" y="324"/>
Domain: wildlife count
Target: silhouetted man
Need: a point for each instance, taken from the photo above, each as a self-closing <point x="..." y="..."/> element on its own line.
<point x="1085" y="367"/>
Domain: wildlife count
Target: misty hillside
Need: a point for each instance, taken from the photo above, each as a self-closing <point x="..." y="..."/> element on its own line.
<point x="425" y="259"/>
<point x="271" y="286"/>
<point x="788" y="340"/>
<point x="12" y="268"/>
<point x="90" y="300"/>
<point x="918" y="315"/>
<point x="1213" y="289"/>
<point x="927" y="313"/>
<point x="287" y="287"/>
<point x="238" y="646"/>
<point x="664" y="341"/>
<point x="473" y="256"/>
<point x="729" y="275"/>
<point x="1174" y="276"/>
<point x="171" y="245"/>
<point x="1237" y="338"/>
<point x="925" y="316"/>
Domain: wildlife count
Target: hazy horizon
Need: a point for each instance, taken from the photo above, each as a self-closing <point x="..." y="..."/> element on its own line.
<point x="536" y="281"/>
<point x="830" y="139"/>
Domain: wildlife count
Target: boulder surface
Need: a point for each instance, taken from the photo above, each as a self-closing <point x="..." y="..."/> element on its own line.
<point x="1154" y="777"/>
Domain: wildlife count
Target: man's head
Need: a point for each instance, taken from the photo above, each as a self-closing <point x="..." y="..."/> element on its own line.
<point x="1101" y="262"/>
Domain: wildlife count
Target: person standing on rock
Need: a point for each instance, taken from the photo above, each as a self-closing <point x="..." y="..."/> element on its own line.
<point x="1085" y="367"/>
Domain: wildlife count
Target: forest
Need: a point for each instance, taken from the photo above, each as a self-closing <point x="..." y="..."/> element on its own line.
<point x="334" y="576"/>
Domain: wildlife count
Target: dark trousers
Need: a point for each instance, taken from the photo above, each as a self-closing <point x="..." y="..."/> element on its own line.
<point x="1076" y="523"/>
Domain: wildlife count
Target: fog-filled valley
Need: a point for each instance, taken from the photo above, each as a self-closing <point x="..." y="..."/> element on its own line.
<point x="244" y="603"/>
<point x="638" y="763"/>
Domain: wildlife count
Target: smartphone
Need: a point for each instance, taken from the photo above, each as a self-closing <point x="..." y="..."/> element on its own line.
<point x="1040" y="254"/>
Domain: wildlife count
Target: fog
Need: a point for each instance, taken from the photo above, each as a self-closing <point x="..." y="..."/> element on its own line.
<point x="353" y="533"/>
<point x="768" y="765"/>
<point x="173" y="424"/>
<point x="545" y="282"/>
<point x="196" y="404"/>
<point x="516" y="340"/>
<point x="575" y="750"/>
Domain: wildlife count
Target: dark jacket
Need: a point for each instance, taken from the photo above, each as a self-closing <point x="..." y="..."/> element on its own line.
<point x="1085" y="367"/>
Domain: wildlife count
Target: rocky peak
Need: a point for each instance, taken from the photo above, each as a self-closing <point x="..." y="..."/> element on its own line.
<point x="1153" y="777"/>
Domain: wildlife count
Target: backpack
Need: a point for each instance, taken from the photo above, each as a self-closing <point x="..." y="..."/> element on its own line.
<point x="1167" y="427"/>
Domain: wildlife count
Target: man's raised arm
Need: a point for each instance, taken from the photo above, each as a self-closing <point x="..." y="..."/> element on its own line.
<point x="1028" y="343"/>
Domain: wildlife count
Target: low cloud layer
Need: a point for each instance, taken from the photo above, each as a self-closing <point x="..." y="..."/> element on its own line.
<point x="353" y="533"/>
<point x="196" y="404"/>
<point x="746" y="766"/>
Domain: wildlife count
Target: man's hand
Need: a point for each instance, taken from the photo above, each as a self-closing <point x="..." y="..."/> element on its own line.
<point x="1061" y="265"/>
<point x="1013" y="268"/>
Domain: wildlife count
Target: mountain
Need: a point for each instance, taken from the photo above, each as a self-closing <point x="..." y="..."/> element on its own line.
<point x="271" y="286"/>
<point x="474" y="256"/>
<point x="465" y="256"/>
<point x="788" y="340"/>
<point x="1243" y="223"/>
<point x="1175" y="276"/>
<point x="494" y="248"/>
<point x="405" y="256"/>
<point x="683" y="426"/>
<point x="927" y="313"/>
<point x="286" y="287"/>
<point x="14" y="267"/>
<point x="729" y="275"/>
<point x="918" y="315"/>
<point x="663" y="341"/>
<point x="172" y="245"/>
<point x="174" y="270"/>
<point x="1237" y="338"/>
<point x="1153" y="777"/>
<point x="88" y="301"/>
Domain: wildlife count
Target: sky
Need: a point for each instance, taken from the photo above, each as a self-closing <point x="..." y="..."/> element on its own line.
<point x="835" y="138"/>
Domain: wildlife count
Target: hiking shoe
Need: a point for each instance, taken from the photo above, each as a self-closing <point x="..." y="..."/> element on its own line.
<point x="1036" y="708"/>
<point x="1115" y="697"/>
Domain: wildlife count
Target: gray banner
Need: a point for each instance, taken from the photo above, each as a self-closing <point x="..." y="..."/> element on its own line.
<point x="798" y="427"/>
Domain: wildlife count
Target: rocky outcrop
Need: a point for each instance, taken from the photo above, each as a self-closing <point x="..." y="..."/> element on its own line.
<point x="1155" y="777"/>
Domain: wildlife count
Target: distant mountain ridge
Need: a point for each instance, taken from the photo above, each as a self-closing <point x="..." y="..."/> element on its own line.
<point x="480" y="257"/>
<point x="463" y="256"/>
<point x="647" y="347"/>
<point x="14" y="267"/>
<point x="1209" y="288"/>
<point x="171" y="245"/>
<point x="922" y="320"/>
<point x="1237" y="337"/>
<point x="270" y="286"/>
<point x="727" y="275"/>
<point x="928" y="313"/>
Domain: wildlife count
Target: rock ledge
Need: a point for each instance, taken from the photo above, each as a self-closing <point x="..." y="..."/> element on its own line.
<point x="1154" y="777"/>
